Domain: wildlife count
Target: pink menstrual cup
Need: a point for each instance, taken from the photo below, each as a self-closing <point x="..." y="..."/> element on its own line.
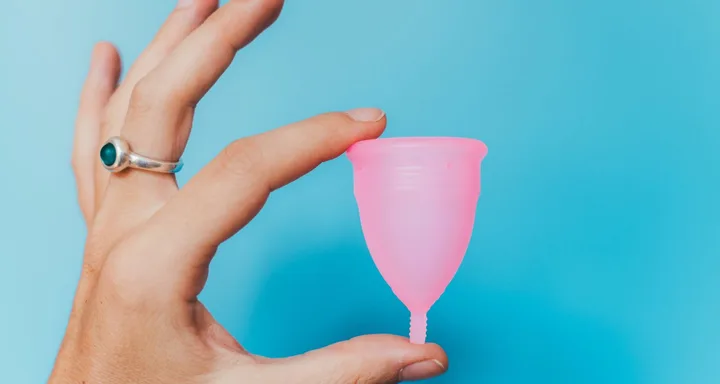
<point x="417" y="199"/>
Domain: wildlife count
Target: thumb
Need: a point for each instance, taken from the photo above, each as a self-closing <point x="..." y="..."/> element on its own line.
<point x="376" y="359"/>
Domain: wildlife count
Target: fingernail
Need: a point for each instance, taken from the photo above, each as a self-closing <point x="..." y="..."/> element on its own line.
<point x="366" y="114"/>
<point x="184" y="3"/>
<point x="422" y="370"/>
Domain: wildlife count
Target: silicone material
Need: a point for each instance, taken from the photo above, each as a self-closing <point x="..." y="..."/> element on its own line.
<point x="417" y="199"/>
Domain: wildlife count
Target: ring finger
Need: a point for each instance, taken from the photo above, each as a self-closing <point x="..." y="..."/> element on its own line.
<point x="162" y="105"/>
<point x="187" y="16"/>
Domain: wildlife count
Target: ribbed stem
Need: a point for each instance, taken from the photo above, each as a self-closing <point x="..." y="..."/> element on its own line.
<point x="418" y="328"/>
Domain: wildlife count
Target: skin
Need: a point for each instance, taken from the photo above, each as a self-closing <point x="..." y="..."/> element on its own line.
<point x="136" y="317"/>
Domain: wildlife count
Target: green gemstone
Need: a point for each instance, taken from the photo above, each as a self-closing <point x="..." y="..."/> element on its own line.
<point x="108" y="154"/>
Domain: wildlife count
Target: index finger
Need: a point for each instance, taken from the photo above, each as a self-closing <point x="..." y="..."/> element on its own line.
<point x="227" y="193"/>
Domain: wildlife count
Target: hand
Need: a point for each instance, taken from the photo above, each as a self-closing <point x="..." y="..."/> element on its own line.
<point x="136" y="317"/>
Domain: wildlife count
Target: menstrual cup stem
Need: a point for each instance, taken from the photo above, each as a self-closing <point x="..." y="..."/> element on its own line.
<point x="418" y="328"/>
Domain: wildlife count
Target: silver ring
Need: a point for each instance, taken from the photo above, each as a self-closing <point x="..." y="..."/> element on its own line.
<point x="115" y="155"/>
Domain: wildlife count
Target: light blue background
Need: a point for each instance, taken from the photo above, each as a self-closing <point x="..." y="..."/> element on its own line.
<point x="595" y="254"/>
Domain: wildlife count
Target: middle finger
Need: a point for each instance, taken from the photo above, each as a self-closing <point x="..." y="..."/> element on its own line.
<point x="167" y="96"/>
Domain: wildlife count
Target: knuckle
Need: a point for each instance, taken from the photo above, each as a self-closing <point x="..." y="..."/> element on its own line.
<point x="146" y="96"/>
<point x="242" y="158"/>
<point x="75" y="165"/>
<point x="330" y="128"/>
<point x="337" y="121"/>
<point x="127" y="286"/>
<point x="143" y="92"/>
<point x="142" y="98"/>
<point x="90" y="270"/>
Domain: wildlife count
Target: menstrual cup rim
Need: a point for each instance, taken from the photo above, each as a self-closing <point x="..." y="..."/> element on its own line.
<point x="389" y="143"/>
